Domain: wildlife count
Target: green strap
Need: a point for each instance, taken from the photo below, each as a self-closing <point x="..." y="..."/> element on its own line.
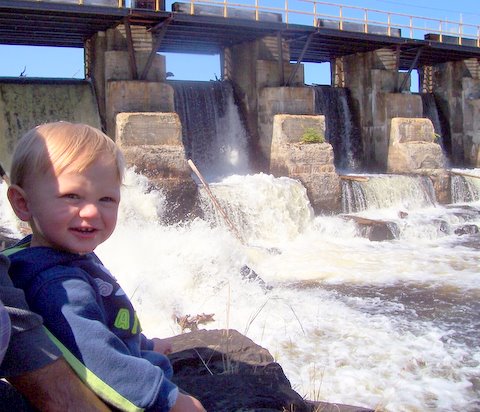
<point x="10" y="251"/>
<point x="102" y="389"/>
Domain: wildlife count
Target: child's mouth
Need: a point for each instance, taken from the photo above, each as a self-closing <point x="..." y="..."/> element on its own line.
<point x="84" y="230"/>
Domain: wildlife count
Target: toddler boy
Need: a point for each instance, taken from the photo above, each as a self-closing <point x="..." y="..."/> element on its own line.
<point x="65" y="182"/>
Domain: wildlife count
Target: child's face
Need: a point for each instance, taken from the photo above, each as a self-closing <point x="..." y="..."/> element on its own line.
<point x="74" y="211"/>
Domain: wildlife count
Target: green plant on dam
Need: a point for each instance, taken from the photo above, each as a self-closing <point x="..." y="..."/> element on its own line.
<point x="311" y="135"/>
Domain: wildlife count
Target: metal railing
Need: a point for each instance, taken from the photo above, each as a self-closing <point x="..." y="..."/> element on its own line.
<point x="314" y="13"/>
<point x="366" y="19"/>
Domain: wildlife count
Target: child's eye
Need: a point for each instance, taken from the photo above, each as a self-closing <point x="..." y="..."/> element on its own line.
<point x="108" y="199"/>
<point x="71" y="196"/>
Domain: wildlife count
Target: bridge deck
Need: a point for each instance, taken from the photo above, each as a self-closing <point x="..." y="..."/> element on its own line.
<point x="69" y="25"/>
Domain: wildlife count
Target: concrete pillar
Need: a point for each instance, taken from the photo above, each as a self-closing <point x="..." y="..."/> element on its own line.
<point x="412" y="147"/>
<point x="280" y="100"/>
<point x="96" y="47"/>
<point x="388" y="106"/>
<point x="136" y="96"/>
<point x="373" y="79"/>
<point x="311" y="163"/>
<point x="253" y="66"/>
<point x="475" y="150"/>
<point x="456" y="86"/>
<point x="112" y="62"/>
<point x="152" y="142"/>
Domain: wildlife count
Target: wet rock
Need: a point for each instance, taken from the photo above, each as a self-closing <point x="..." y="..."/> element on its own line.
<point x="466" y="230"/>
<point x="380" y="232"/>
<point x="249" y="274"/>
<point x="375" y="230"/>
<point x="465" y="212"/>
<point x="229" y="372"/>
<point x="442" y="226"/>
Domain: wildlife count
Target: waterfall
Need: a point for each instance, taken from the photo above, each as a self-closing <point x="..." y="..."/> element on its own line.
<point x="342" y="131"/>
<point x="386" y="191"/>
<point x="440" y="124"/>
<point x="464" y="188"/>
<point x="212" y="130"/>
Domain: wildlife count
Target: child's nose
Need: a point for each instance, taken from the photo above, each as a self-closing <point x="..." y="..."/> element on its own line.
<point x="88" y="210"/>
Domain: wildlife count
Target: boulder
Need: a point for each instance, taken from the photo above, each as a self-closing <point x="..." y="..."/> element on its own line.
<point x="376" y="230"/>
<point x="228" y="372"/>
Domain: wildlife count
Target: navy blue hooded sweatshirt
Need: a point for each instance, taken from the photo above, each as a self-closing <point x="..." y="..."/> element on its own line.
<point x="92" y="321"/>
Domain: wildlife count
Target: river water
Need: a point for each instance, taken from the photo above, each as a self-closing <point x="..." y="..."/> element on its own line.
<point x="392" y="325"/>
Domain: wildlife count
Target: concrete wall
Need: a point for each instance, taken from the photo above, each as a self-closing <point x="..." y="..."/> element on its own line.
<point x="281" y="100"/>
<point x="26" y="103"/>
<point x="456" y="86"/>
<point x="137" y="111"/>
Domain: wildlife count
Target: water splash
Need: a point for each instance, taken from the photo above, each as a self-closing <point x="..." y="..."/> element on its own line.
<point x="256" y="204"/>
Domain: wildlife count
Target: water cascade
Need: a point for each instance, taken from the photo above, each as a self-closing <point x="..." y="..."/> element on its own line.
<point x="248" y="204"/>
<point x="342" y="131"/>
<point x="213" y="133"/>
<point x="465" y="186"/>
<point x="386" y="191"/>
<point x="440" y="124"/>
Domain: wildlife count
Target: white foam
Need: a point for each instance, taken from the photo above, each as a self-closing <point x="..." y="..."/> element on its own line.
<point x="364" y="350"/>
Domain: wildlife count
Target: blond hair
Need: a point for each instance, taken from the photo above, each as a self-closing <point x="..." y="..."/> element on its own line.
<point x="60" y="145"/>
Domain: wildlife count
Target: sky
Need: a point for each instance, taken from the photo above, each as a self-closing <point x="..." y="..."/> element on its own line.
<point x="68" y="63"/>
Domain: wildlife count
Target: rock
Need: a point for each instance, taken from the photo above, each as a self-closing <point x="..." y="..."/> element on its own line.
<point x="375" y="229"/>
<point x="228" y="372"/>
<point x="466" y="230"/>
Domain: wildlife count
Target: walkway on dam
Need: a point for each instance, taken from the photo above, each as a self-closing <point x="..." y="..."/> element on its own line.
<point x="207" y="27"/>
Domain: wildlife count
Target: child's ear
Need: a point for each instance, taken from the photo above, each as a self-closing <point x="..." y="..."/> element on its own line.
<point x="18" y="200"/>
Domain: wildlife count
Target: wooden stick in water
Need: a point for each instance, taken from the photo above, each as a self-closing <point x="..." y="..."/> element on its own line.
<point x="355" y="178"/>
<point x="215" y="201"/>
<point x="464" y="174"/>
